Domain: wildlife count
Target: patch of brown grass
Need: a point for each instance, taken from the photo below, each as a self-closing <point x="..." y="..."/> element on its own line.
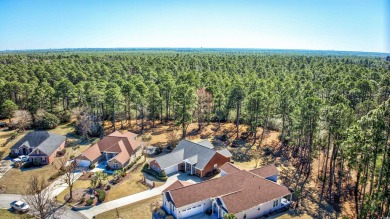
<point x="139" y="209"/>
<point x="15" y="180"/>
<point x="5" y="213"/>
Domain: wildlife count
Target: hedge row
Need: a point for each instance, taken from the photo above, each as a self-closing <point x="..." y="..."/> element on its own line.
<point x="160" y="176"/>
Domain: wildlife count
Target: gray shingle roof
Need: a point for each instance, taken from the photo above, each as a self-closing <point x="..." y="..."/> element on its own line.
<point x="168" y="160"/>
<point x="45" y="141"/>
<point x="193" y="160"/>
<point x="206" y="143"/>
<point x="202" y="149"/>
<point x="225" y="152"/>
<point x="198" y="153"/>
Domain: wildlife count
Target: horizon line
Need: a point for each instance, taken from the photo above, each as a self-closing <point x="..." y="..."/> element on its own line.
<point x="197" y="48"/>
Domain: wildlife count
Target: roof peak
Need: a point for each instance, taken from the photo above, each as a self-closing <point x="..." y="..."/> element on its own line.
<point x="198" y="143"/>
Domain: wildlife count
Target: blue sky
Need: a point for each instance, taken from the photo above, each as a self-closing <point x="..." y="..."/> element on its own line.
<point x="351" y="25"/>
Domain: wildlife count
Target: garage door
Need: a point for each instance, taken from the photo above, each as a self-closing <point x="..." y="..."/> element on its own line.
<point x="192" y="211"/>
<point x="171" y="169"/>
<point x="84" y="163"/>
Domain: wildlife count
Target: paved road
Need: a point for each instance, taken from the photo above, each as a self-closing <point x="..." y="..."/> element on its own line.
<point x="106" y="206"/>
<point x="64" y="213"/>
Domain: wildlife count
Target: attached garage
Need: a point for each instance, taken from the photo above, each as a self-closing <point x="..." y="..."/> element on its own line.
<point x="171" y="169"/>
<point x="188" y="212"/>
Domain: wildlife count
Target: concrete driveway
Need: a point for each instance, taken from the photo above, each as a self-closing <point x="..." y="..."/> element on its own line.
<point x="5" y="165"/>
<point x="107" y="206"/>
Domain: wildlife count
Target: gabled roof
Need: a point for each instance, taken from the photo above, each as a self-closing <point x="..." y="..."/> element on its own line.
<point x="111" y="143"/>
<point x="206" y="143"/>
<point x="225" y="152"/>
<point x="199" y="153"/>
<point x="193" y="160"/>
<point x="45" y="141"/>
<point x="123" y="155"/>
<point x="229" y="168"/>
<point x="168" y="160"/>
<point x="250" y="189"/>
<point x="205" y="153"/>
<point x="266" y="171"/>
<point x="177" y="184"/>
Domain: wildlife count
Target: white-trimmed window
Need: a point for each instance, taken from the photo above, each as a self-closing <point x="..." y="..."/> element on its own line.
<point x="115" y="165"/>
<point x="276" y="203"/>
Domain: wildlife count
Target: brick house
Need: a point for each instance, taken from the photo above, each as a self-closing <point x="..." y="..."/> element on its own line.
<point x="40" y="146"/>
<point x="195" y="158"/>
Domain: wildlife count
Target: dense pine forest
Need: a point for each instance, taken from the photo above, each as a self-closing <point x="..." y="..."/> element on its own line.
<point x="334" y="106"/>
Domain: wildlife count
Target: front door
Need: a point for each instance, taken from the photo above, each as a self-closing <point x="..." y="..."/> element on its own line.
<point x="25" y="151"/>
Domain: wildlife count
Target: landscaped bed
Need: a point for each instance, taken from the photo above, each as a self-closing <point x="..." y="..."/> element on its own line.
<point x="116" y="186"/>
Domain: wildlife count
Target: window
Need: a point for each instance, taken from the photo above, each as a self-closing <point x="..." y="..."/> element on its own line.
<point x="258" y="208"/>
<point x="276" y="203"/>
<point x="115" y="165"/>
<point x="245" y="216"/>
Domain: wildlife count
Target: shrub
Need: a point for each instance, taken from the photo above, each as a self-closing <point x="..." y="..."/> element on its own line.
<point x="161" y="212"/>
<point x="72" y="157"/>
<point x="11" y="155"/>
<point x="223" y="137"/>
<point x="101" y="195"/>
<point x="65" y="116"/>
<point x="108" y="187"/>
<point x="28" y="165"/>
<point x="82" y="200"/>
<point x="92" y="166"/>
<point x="55" y="175"/>
<point x="169" y="217"/>
<point x="162" y="174"/>
<point x="146" y="138"/>
<point x="108" y="167"/>
<point x="89" y="202"/>
<point x="45" y="120"/>
<point x="146" y="166"/>
<point x="61" y="152"/>
<point x="158" y="150"/>
<point x="156" y="174"/>
<point x="36" y="161"/>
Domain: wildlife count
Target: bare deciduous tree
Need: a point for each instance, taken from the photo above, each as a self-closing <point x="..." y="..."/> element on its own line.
<point x="68" y="169"/>
<point x="173" y="137"/>
<point x="23" y="119"/>
<point x="203" y="107"/>
<point x="38" y="196"/>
